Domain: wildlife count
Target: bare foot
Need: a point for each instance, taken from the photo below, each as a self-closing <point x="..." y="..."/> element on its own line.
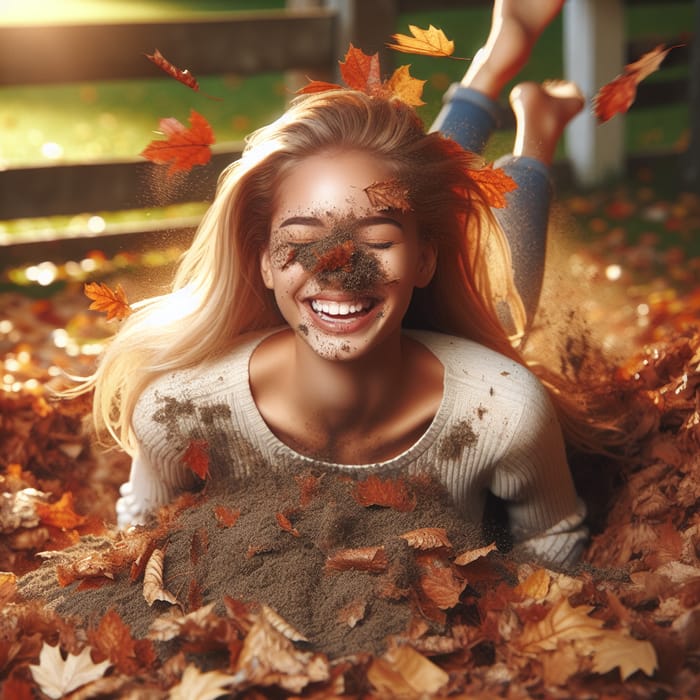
<point x="541" y="113"/>
<point x="515" y="27"/>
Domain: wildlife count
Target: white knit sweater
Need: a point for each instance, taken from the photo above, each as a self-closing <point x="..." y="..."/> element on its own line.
<point x="495" y="430"/>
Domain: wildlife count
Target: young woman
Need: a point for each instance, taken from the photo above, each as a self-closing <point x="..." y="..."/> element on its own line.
<point x="310" y="326"/>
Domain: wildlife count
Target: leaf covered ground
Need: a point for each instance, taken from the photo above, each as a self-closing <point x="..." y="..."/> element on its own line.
<point x="413" y="607"/>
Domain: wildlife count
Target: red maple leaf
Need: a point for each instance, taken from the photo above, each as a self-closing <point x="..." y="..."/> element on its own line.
<point x="617" y="96"/>
<point x="196" y="457"/>
<point x="183" y="148"/>
<point x="360" y="71"/>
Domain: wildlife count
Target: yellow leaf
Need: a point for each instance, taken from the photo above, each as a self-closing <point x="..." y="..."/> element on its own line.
<point x="405" y="673"/>
<point x="618" y="650"/>
<point x="562" y="623"/>
<point x="536" y="585"/>
<point x="405" y="87"/>
<point x="424" y="42"/>
<point x="203" y="686"/>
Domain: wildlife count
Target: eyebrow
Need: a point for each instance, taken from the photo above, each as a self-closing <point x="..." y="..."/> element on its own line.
<point x="364" y="221"/>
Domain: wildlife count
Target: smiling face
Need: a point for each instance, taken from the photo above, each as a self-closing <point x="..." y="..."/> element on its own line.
<point x="342" y="270"/>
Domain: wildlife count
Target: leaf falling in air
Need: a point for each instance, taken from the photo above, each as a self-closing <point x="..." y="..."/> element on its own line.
<point x="153" y="588"/>
<point x="182" y="76"/>
<point x="423" y="42"/>
<point x="388" y="194"/>
<point x="57" y="677"/>
<point x="111" y="301"/>
<point x="196" y="457"/>
<point x="617" y="96"/>
<point x="405" y="87"/>
<point x="183" y="147"/>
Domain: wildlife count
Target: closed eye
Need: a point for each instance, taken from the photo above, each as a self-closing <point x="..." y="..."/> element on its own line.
<point x="380" y="246"/>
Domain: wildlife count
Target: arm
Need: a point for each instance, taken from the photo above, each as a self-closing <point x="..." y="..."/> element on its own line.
<point x="533" y="478"/>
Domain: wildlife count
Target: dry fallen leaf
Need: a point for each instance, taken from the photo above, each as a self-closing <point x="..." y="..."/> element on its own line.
<point x="388" y="493"/>
<point x="112" y="301"/>
<point x="427" y="538"/>
<point x="226" y="517"/>
<point x="153" y="589"/>
<point x="442" y="585"/>
<point x="471" y="555"/>
<point x="424" y="42"/>
<point x="196" y="685"/>
<point x="372" y="559"/>
<point x="352" y="613"/>
<point x="57" y="677"/>
<point x="281" y="625"/>
<point x="405" y="673"/>
<point x="60" y="514"/>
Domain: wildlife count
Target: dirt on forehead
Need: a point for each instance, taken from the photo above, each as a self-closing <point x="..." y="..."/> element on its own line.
<point x="343" y="572"/>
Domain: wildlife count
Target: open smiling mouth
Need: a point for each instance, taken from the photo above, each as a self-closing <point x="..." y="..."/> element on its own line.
<point x="341" y="310"/>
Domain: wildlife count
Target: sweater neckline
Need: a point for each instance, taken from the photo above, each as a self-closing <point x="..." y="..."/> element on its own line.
<point x="244" y="396"/>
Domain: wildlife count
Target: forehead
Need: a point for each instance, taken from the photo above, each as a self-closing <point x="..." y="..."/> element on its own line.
<point x="333" y="181"/>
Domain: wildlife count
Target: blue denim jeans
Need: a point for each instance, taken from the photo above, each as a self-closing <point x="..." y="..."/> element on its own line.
<point x="469" y="117"/>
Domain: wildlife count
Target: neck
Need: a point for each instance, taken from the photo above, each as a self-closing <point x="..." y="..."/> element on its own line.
<point x="347" y="395"/>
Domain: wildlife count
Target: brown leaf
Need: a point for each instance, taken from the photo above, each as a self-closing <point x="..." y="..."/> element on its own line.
<point x="226" y="517"/>
<point x="286" y="525"/>
<point x="196" y="457"/>
<point x="308" y="487"/>
<point x="388" y="194"/>
<point x="617" y="96"/>
<point x="427" y="538"/>
<point x="442" y="585"/>
<point x="352" y="613"/>
<point x="494" y="183"/>
<point x="153" y="589"/>
<point x="424" y="42"/>
<point x="371" y="559"/>
<point x="111" y="301"/>
<point x="388" y="493"/>
<point x="281" y="625"/>
<point x="337" y="258"/>
<point x="112" y="638"/>
<point x="182" y="148"/>
<point x="471" y="555"/>
<point x="182" y="76"/>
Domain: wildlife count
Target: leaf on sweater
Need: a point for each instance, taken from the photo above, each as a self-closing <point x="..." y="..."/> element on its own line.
<point x="112" y="301"/>
<point x="308" y="487"/>
<point x="202" y="686"/>
<point x="427" y="538"/>
<point x="352" y="613"/>
<point x="153" y="588"/>
<point x="57" y="676"/>
<point x="226" y="517"/>
<point x="387" y="493"/>
<point x="423" y="42"/>
<point x="196" y="457"/>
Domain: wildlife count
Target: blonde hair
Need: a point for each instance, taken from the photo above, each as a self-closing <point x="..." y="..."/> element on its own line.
<point x="218" y="294"/>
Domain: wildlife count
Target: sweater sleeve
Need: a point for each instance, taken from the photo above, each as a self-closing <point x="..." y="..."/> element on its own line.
<point x="533" y="478"/>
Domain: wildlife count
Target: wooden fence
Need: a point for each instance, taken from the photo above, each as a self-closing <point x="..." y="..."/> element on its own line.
<point x="308" y="36"/>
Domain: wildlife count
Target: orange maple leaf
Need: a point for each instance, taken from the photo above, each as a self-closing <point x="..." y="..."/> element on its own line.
<point x="183" y="148"/>
<point x="617" y="96"/>
<point x="360" y="71"/>
<point x="405" y="87"/>
<point x="111" y="301"/>
<point x="389" y="493"/>
<point x="424" y="42"/>
<point x="494" y="183"/>
<point x="196" y="457"/>
<point x="388" y="194"/>
<point x="60" y="514"/>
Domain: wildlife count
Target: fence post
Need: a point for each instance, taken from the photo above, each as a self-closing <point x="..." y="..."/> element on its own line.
<point x="594" y="51"/>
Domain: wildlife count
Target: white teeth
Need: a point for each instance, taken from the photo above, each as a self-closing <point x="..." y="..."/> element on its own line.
<point x="332" y="308"/>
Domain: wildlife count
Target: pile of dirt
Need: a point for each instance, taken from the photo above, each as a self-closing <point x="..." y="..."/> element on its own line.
<point x="313" y="548"/>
